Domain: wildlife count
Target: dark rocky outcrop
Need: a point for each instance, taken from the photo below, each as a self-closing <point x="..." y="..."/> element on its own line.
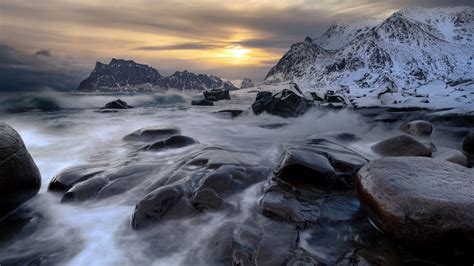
<point x="417" y="128"/>
<point x="285" y="103"/>
<point x="202" y="102"/>
<point x="468" y="143"/>
<point x="152" y="133"/>
<point x="200" y="182"/>
<point x="216" y="95"/>
<point x="420" y="200"/>
<point x="117" y="104"/>
<point x="20" y="179"/>
<point x="402" y="145"/>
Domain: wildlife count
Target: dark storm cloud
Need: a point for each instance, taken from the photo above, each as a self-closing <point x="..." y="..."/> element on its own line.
<point x="22" y="72"/>
<point x="43" y="53"/>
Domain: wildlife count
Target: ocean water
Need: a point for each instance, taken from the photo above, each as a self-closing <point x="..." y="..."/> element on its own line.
<point x="65" y="129"/>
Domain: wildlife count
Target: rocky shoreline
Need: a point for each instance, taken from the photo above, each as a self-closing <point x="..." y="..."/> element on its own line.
<point x="398" y="202"/>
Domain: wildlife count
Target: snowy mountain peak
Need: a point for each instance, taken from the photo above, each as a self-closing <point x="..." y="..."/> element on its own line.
<point x="404" y="51"/>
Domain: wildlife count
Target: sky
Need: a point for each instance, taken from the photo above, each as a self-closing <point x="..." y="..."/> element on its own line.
<point x="55" y="43"/>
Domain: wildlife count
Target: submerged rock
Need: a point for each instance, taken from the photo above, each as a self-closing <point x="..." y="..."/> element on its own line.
<point x="173" y="142"/>
<point x="117" y="104"/>
<point x="285" y="104"/>
<point x="233" y="113"/>
<point x="202" y="102"/>
<point x="418" y="199"/>
<point x="71" y="176"/>
<point x="418" y="128"/>
<point x="216" y="95"/>
<point x="468" y="143"/>
<point x="402" y="145"/>
<point x="20" y="179"/>
<point x="152" y="133"/>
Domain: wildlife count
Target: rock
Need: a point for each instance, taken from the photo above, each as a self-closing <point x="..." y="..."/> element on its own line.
<point x="173" y="142"/>
<point x="216" y="95"/>
<point x="117" y="104"/>
<point x="20" y="179"/>
<point x="231" y="112"/>
<point x="67" y="178"/>
<point x="152" y="133"/>
<point x="370" y="256"/>
<point x="202" y="103"/>
<point x="453" y="156"/>
<point x="402" y="145"/>
<point x="468" y="143"/>
<point x="319" y="163"/>
<point x="420" y="200"/>
<point x="86" y="190"/>
<point x="285" y="104"/>
<point x="246" y="83"/>
<point x="417" y="128"/>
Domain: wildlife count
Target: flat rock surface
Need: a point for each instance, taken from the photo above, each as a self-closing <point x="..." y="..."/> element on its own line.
<point x="419" y="199"/>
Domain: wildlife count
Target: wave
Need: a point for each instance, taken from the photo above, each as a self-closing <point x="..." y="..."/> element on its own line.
<point x="50" y="101"/>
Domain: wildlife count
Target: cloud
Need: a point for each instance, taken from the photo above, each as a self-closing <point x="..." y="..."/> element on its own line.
<point x="43" y="53"/>
<point x="22" y="72"/>
<point x="179" y="46"/>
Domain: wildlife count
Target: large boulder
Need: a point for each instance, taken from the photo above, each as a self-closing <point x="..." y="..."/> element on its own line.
<point x="20" y="178"/>
<point x="420" y="200"/>
<point x="286" y="103"/>
<point x="216" y="95"/>
<point x="117" y="104"/>
<point x="402" y="145"/>
<point x="468" y="143"/>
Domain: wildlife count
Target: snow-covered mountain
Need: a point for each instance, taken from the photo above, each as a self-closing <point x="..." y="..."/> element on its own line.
<point x="389" y="61"/>
<point x="127" y="76"/>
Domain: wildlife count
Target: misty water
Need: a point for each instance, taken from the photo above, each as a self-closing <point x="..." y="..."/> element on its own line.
<point x="65" y="129"/>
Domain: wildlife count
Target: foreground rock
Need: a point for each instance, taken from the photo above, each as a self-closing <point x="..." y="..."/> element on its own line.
<point x="468" y="143"/>
<point x="419" y="199"/>
<point x="285" y="104"/>
<point x="216" y="95"/>
<point x="318" y="164"/>
<point x="418" y="128"/>
<point x="117" y="104"/>
<point x="451" y="155"/>
<point x="402" y="145"/>
<point x="199" y="182"/>
<point x="20" y="178"/>
<point x="202" y="102"/>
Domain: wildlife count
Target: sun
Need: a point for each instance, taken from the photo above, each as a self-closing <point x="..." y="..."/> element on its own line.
<point x="238" y="52"/>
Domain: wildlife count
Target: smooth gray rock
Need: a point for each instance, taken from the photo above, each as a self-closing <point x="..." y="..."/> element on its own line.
<point x="20" y="179"/>
<point x="418" y="128"/>
<point x="402" y="145"/>
<point x="420" y="200"/>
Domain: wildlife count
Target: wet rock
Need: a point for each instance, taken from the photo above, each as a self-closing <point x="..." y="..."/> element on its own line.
<point x="117" y="104"/>
<point x="264" y="242"/>
<point x="67" y="178"/>
<point x="402" y="145"/>
<point x="451" y="155"/>
<point x="284" y="206"/>
<point x="468" y="143"/>
<point x="273" y="126"/>
<point x="216" y="95"/>
<point x="285" y="104"/>
<point x="173" y="142"/>
<point x="420" y="200"/>
<point x="152" y="133"/>
<point x="199" y="182"/>
<point x="370" y="256"/>
<point x="231" y="112"/>
<point x="319" y="163"/>
<point x="20" y="179"/>
<point x="418" y="128"/>
<point x="86" y="190"/>
<point x="202" y="102"/>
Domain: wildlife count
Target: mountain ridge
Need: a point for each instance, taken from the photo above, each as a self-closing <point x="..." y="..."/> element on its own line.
<point x="407" y="50"/>
<point x="122" y="75"/>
